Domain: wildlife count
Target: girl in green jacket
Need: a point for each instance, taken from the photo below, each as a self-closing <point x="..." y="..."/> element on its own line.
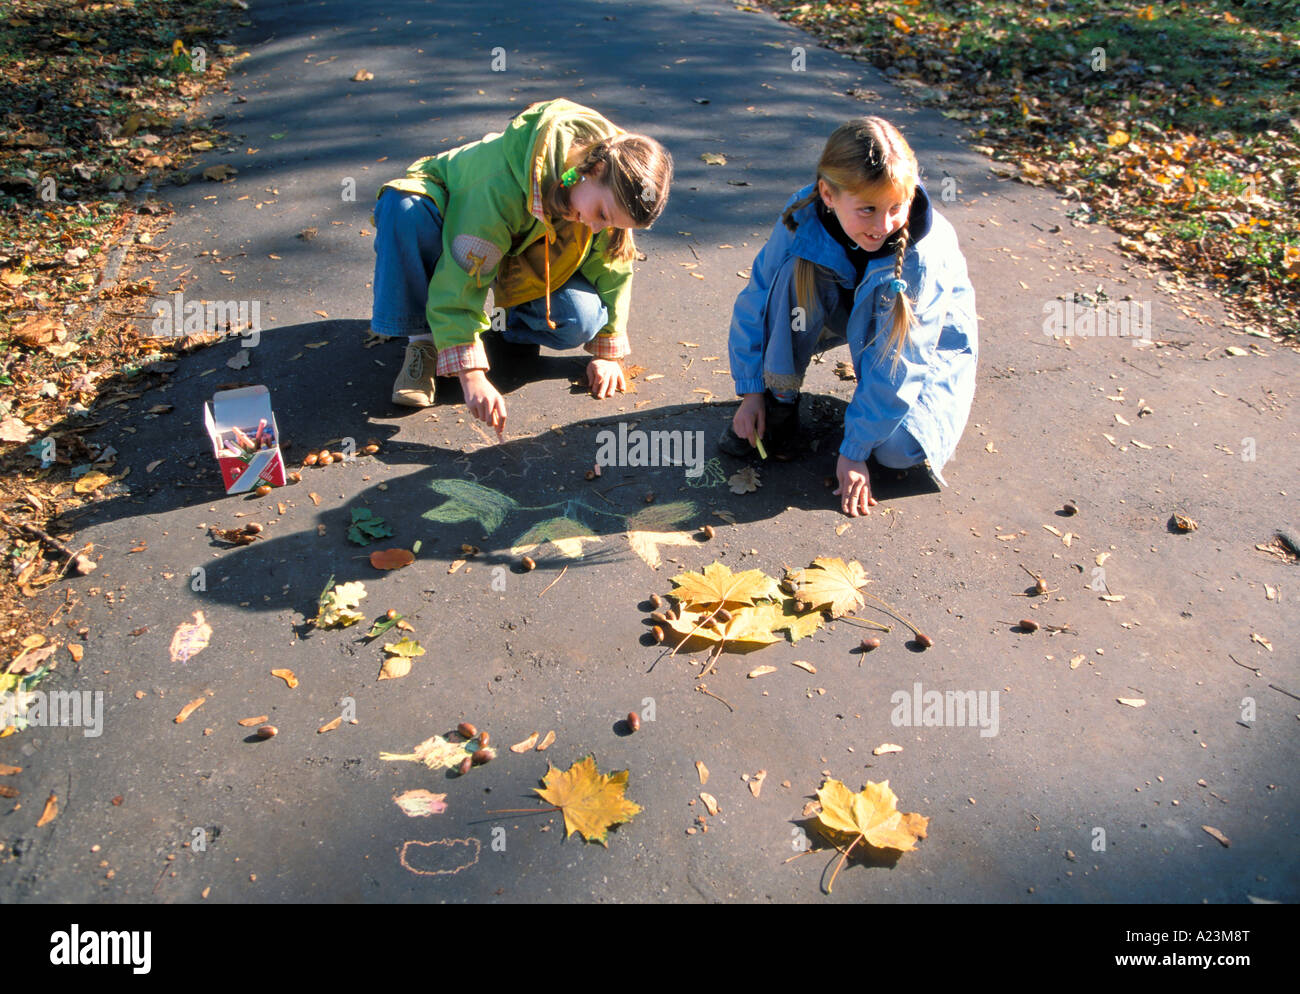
<point x="541" y="213"/>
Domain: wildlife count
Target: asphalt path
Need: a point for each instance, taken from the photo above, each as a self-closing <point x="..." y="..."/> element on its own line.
<point x="1076" y="798"/>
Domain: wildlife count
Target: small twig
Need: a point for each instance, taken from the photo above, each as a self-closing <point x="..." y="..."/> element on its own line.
<point x="557" y="579"/>
<point x="74" y="556"/>
<point x="625" y="483"/>
<point x="705" y="690"/>
<point x="1281" y="691"/>
<point x="1253" y="669"/>
<point x="797" y="855"/>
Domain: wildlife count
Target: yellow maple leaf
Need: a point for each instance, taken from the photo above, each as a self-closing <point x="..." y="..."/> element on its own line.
<point x="870" y="815"/>
<point x="749" y="628"/>
<point x="830" y="583"/>
<point x="592" y="802"/>
<point x="717" y="585"/>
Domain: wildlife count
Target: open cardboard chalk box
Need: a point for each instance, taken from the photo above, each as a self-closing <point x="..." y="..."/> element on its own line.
<point x="245" y="438"/>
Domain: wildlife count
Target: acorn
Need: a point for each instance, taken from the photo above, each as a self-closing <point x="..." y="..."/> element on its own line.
<point x="391" y="615"/>
<point x="634" y="721"/>
<point x="268" y="732"/>
<point x="1070" y="508"/>
<point x="338" y="456"/>
<point x="295" y="477"/>
<point x="310" y="459"/>
<point x="656" y="601"/>
<point x="527" y="563"/>
<point x="484" y="738"/>
<point x="870" y="643"/>
<point x="465" y="764"/>
<point x="708" y="532"/>
<point x="371" y="449"/>
<point x="659" y="616"/>
<point x="325" y="459"/>
<point x="722" y="614"/>
<point x="924" y="639"/>
<point x="263" y="490"/>
<point x="1028" y="625"/>
<point x="483" y="756"/>
<point x="658" y="633"/>
<point x="252" y="528"/>
<point x="467" y="731"/>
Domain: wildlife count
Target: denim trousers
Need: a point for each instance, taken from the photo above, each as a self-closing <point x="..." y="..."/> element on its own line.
<point x="408" y="245"/>
<point x="789" y="345"/>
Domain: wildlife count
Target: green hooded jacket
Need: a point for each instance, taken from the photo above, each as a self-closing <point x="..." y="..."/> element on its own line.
<point x="495" y="233"/>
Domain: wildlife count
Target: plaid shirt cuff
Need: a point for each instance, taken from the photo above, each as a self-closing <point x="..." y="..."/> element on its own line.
<point x="459" y="358"/>
<point x="608" y="346"/>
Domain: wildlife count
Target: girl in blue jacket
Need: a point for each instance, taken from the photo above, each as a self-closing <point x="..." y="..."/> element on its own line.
<point x="860" y="256"/>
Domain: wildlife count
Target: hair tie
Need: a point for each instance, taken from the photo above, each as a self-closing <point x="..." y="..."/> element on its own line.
<point x="898" y="286"/>
<point x="570" y="177"/>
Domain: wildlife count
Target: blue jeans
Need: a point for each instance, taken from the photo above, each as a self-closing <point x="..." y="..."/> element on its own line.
<point x="408" y="245"/>
<point x="788" y="349"/>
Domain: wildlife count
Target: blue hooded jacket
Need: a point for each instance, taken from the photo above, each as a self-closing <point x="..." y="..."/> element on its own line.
<point x="931" y="390"/>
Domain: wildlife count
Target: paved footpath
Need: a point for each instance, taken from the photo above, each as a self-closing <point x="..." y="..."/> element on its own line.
<point x="1077" y="797"/>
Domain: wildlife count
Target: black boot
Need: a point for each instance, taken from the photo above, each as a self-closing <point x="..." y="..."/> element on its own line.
<point x="780" y="436"/>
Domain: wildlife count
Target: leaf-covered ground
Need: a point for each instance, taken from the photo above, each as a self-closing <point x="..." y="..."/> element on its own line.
<point x="1177" y="123"/>
<point x="98" y="108"/>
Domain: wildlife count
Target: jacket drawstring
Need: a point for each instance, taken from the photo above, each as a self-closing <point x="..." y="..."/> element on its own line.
<point x="546" y="266"/>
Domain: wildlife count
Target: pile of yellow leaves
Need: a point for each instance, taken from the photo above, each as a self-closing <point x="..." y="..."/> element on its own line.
<point x="746" y="611"/>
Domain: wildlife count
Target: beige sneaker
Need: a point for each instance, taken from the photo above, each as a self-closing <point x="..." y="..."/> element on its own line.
<point x="415" y="383"/>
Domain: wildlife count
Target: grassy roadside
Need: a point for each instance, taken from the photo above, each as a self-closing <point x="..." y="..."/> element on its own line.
<point x="1176" y="123"/>
<point x="99" y="107"/>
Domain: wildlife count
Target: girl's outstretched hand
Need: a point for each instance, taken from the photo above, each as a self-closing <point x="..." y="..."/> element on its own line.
<point x="605" y="377"/>
<point x="483" y="399"/>
<point x="750" y="420"/>
<point x="854" y="490"/>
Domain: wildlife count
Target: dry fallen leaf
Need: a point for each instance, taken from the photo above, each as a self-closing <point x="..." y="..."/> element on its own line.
<point x="547" y="741"/>
<point x="1223" y="839"/>
<point x="758" y="671"/>
<point x="421" y="803"/>
<point x="756" y="782"/>
<point x="190" y="639"/>
<point x="1258" y="638"/>
<point x="710" y="802"/>
<point x="51" y="811"/>
<point x="870" y="816"/>
<point x="261" y="719"/>
<point x="592" y="802"/>
<point x="391" y="558"/>
<point x="287" y="676"/>
<point x="744" y="481"/>
<point x="886" y="747"/>
<point x="1075" y="661"/>
<point x="717" y="587"/>
<point x="526" y="744"/>
<point x="830" y="584"/>
<point x="703" y="771"/>
<point x="189" y="709"/>
<point x="1133" y="702"/>
<point x="394" y="668"/>
<point x="329" y="726"/>
<point x="803" y="664"/>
